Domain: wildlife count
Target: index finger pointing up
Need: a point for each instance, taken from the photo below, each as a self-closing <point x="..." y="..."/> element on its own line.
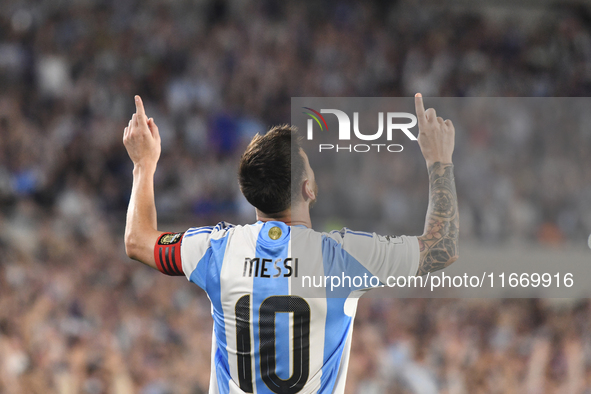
<point x="419" y="107"/>
<point x="139" y="106"/>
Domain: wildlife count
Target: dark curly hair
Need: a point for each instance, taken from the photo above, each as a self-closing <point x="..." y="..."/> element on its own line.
<point x="267" y="167"/>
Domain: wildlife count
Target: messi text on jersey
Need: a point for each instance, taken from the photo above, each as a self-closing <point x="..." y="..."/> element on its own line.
<point x="269" y="268"/>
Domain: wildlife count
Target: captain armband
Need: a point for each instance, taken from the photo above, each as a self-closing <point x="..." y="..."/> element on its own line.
<point x="167" y="254"/>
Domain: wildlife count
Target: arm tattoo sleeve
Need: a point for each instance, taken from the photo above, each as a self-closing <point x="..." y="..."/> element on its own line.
<point x="439" y="243"/>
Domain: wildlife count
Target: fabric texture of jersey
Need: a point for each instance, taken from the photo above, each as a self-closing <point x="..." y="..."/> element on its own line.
<point x="275" y="330"/>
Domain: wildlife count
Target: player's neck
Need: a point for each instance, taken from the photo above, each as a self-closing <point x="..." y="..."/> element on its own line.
<point x="291" y="217"/>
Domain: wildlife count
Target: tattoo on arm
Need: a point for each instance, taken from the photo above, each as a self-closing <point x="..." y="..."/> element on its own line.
<point x="439" y="243"/>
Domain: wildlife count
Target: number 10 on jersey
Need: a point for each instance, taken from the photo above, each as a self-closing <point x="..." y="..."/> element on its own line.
<point x="300" y="357"/>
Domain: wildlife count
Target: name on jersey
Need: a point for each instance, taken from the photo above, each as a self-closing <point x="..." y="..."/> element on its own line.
<point x="269" y="268"/>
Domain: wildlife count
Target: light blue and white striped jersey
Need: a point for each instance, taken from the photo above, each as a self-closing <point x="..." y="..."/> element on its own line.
<point x="277" y="329"/>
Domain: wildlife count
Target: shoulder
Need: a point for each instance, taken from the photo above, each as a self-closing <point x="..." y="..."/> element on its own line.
<point x="222" y="231"/>
<point x="219" y="230"/>
<point x="346" y="234"/>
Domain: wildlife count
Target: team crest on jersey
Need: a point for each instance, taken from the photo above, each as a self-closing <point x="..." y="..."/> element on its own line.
<point x="169" y="239"/>
<point x="275" y="233"/>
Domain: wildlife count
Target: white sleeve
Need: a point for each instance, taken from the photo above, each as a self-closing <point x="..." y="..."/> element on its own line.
<point x="195" y="245"/>
<point x="383" y="256"/>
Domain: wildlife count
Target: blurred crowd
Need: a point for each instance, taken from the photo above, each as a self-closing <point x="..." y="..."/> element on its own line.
<point x="77" y="316"/>
<point x="471" y="346"/>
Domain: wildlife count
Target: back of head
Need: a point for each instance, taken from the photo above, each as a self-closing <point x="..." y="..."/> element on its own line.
<point x="265" y="173"/>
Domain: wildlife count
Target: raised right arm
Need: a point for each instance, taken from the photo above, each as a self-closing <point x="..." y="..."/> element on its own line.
<point x="439" y="242"/>
<point x="142" y="141"/>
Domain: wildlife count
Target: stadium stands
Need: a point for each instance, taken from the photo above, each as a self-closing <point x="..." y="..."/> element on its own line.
<point x="77" y="316"/>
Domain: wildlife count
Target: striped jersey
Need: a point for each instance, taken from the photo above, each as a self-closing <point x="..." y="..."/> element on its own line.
<point x="280" y="323"/>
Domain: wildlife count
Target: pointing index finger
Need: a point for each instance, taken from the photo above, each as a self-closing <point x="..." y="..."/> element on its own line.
<point x="139" y="106"/>
<point x="419" y="107"/>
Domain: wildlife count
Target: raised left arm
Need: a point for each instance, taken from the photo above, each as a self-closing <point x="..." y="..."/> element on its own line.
<point x="439" y="242"/>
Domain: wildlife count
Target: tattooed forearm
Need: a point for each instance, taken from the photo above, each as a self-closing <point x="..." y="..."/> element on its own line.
<point x="439" y="243"/>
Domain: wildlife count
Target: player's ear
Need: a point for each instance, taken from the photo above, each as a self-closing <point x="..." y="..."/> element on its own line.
<point x="308" y="191"/>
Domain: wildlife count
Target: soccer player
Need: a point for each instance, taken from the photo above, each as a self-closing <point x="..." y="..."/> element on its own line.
<point x="270" y="333"/>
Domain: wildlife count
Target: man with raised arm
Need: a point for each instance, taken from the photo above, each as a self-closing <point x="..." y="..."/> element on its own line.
<point x="270" y="335"/>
